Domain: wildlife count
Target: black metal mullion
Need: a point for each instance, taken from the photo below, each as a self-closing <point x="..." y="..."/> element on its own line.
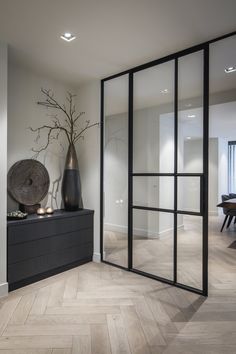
<point x="184" y="212"/>
<point x="163" y="210"/>
<point x="205" y="169"/>
<point x="142" y="207"/>
<point x="167" y="281"/>
<point x="101" y="169"/>
<point x="130" y="175"/>
<point x="175" y="170"/>
<point x="183" y="174"/>
<point x="163" y="174"/>
<point x="158" y="174"/>
<point x="115" y="265"/>
<point x="202" y="195"/>
<point x="153" y="276"/>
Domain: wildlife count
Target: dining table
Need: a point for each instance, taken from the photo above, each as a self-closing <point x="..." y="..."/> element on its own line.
<point x="228" y="204"/>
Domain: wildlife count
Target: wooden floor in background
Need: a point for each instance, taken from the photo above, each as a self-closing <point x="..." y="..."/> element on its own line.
<point x="99" y="309"/>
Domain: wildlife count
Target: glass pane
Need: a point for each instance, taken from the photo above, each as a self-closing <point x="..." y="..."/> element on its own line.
<point x="153" y="242"/>
<point x="116" y="170"/>
<point x="190" y="118"/>
<point x="153" y="126"/>
<point x="189" y="251"/>
<point x="156" y="192"/>
<point x="189" y="194"/>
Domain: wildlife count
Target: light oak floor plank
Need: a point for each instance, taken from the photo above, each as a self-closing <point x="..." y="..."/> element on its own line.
<point x="81" y="345"/>
<point x="56" y="295"/>
<point x="71" y="310"/>
<point x="45" y="330"/>
<point x="61" y="351"/>
<point x="71" y="285"/>
<point x="133" y="327"/>
<point x="93" y="318"/>
<point x="22" y="310"/>
<point x="7" y="311"/>
<point x="150" y="328"/>
<point x="41" y="300"/>
<point x="100" y="343"/>
<point x="26" y="351"/>
<point x="39" y="342"/>
<point x="117" y="334"/>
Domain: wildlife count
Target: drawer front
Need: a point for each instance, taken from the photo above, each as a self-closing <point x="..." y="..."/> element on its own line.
<point x="34" y="266"/>
<point x="48" y="228"/>
<point x="22" y="251"/>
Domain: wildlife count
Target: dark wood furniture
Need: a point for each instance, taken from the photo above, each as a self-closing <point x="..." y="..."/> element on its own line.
<point x="41" y="246"/>
<point x="229" y="208"/>
<point x="229" y="203"/>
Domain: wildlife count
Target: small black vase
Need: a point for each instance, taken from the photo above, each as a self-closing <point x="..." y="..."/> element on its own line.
<point x="71" y="185"/>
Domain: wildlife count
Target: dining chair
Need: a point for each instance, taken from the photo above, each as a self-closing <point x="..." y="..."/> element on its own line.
<point x="229" y="214"/>
<point x="233" y="196"/>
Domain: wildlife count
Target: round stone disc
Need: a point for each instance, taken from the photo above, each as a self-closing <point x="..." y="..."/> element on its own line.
<point x="28" y="182"/>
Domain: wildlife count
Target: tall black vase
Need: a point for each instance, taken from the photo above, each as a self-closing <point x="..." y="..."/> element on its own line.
<point x="71" y="185"/>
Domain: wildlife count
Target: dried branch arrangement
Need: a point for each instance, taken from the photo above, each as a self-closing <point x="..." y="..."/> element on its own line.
<point x="70" y="125"/>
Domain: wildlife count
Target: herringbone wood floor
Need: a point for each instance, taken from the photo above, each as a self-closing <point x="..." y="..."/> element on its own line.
<point x="99" y="309"/>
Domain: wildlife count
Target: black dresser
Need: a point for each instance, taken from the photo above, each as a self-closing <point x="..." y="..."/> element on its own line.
<point x="41" y="246"/>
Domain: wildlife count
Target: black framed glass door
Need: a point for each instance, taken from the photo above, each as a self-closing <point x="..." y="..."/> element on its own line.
<point x="169" y="160"/>
<point x="154" y="169"/>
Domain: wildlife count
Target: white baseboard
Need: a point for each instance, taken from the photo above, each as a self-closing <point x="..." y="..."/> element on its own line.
<point x="213" y="213"/>
<point x="3" y="289"/>
<point x="124" y="229"/>
<point x="97" y="257"/>
<point x="138" y="231"/>
<point x="162" y="233"/>
<point x="116" y="228"/>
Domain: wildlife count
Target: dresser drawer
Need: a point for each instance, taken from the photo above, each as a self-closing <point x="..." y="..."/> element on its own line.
<point x="47" y="228"/>
<point x="22" y="251"/>
<point x="45" y="263"/>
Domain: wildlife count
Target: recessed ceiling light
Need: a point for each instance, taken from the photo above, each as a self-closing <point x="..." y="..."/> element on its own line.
<point x="188" y="138"/>
<point x="165" y="91"/>
<point x="67" y="36"/>
<point x="230" y="69"/>
<point x="191" y="116"/>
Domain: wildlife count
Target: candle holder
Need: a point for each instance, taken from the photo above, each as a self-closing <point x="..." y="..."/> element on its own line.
<point x="41" y="211"/>
<point x="49" y="210"/>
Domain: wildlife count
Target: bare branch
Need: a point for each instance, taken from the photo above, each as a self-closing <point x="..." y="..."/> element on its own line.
<point x="70" y="127"/>
<point x="78" y="116"/>
<point x="78" y="136"/>
<point x="52" y="103"/>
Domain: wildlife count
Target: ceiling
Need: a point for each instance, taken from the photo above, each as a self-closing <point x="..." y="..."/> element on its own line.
<point x="112" y="35"/>
<point x="150" y="83"/>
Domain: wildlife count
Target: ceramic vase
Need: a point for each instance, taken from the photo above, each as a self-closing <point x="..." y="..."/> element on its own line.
<point x="71" y="184"/>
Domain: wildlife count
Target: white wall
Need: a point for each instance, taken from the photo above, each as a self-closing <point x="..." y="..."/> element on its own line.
<point x="116" y="173"/>
<point x="214" y="176"/>
<point x="3" y="167"/>
<point x="222" y="170"/>
<point x="88" y="150"/>
<point x="192" y="163"/>
<point x="24" y="92"/>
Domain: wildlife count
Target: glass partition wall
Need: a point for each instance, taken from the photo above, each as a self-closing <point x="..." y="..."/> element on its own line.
<point x="154" y="169"/>
<point x="115" y="228"/>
